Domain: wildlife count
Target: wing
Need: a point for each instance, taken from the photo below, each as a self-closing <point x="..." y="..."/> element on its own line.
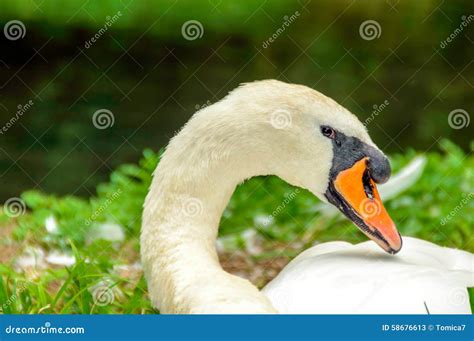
<point x="338" y="277"/>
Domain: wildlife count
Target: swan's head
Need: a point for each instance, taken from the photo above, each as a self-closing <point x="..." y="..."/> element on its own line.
<point x="313" y="142"/>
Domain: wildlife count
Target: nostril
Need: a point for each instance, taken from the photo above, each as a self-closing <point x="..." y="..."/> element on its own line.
<point x="380" y="169"/>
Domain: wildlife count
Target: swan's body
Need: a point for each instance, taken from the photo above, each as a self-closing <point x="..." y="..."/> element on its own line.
<point x="261" y="128"/>
<point x="341" y="278"/>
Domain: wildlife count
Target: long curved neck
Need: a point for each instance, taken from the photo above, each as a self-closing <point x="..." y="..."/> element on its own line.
<point x="192" y="185"/>
<point x="263" y="128"/>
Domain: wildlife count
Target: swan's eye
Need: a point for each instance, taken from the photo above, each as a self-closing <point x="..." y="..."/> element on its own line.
<point x="328" y="132"/>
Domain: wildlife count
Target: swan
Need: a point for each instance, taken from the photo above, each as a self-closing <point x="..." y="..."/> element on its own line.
<point x="341" y="278"/>
<point x="261" y="128"/>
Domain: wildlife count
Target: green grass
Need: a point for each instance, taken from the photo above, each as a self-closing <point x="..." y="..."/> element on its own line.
<point x="95" y="284"/>
<point x="71" y="290"/>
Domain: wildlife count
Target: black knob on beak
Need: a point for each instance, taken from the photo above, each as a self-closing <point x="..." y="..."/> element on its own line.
<point x="379" y="167"/>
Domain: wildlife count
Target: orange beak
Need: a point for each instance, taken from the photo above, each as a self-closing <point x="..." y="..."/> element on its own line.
<point x="355" y="186"/>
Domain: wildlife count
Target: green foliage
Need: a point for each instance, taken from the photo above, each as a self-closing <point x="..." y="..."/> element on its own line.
<point x="74" y="290"/>
<point x="141" y="15"/>
<point x="120" y="201"/>
<point x="445" y="190"/>
<point x="71" y="290"/>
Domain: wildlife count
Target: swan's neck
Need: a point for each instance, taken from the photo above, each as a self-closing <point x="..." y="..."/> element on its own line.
<point x="192" y="185"/>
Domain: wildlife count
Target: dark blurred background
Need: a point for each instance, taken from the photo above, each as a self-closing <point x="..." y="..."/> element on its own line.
<point x="152" y="76"/>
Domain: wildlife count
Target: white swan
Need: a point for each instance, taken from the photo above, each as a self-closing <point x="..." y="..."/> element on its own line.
<point x="341" y="278"/>
<point x="261" y="128"/>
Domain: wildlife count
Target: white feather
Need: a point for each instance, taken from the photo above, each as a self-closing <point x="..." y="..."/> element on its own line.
<point x="404" y="179"/>
<point x="341" y="278"/>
